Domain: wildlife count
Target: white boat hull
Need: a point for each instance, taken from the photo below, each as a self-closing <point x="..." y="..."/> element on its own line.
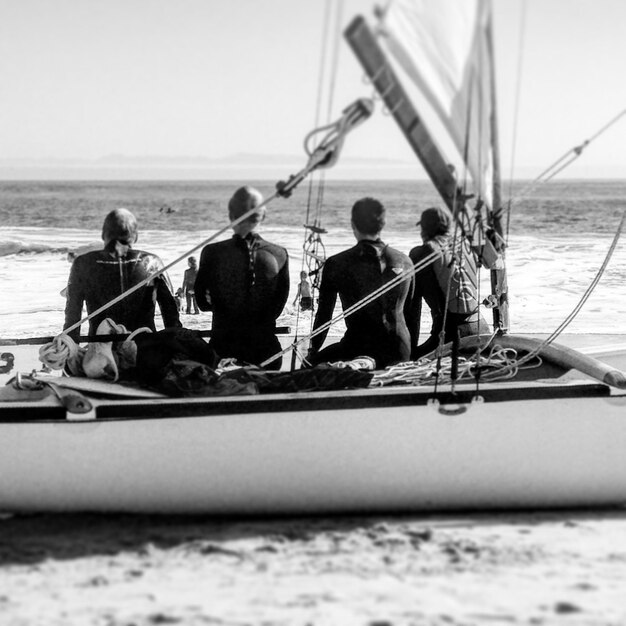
<point x="368" y="450"/>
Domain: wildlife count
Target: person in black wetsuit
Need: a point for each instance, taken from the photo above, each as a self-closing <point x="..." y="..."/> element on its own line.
<point x="99" y="276"/>
<point x="462" y="317"/>
<point x="245" y="282"/>
<point x="379" y="330"/>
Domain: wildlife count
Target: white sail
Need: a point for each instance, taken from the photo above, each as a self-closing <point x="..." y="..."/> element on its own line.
<point x="445" y="48"/>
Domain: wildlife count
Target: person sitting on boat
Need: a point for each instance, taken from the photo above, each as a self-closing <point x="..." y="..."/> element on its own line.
<point x="379" y="329"/>
<point x="458" y="278"/>
<point x="99" y="277"/>
<point x="245" y="282"/>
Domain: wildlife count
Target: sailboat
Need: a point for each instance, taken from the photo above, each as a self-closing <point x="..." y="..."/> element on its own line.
<point x="504" y="436"/>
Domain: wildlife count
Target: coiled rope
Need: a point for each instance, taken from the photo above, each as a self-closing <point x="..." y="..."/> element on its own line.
<point x="63" y="352"/>
<point x="442" y="369"/>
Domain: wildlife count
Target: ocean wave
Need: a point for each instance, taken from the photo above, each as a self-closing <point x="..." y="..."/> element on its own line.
<point x="10" y="248"/>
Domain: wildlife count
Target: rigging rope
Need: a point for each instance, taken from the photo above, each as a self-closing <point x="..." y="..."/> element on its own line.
<point x="564" y="161"/>
<point x="307" y="221"/>
<point x="312" y="244"/>
<point x="518" y="90"/>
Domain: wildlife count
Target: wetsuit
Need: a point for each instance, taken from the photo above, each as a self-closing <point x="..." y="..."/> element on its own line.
<point x="98" y="277"/>
<point x="378" y="330"/>
<point x="247" y="284"/>
<point x="427" y="287"/>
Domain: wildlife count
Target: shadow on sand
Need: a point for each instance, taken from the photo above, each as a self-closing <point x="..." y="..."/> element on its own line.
<point x="33" y="538"/>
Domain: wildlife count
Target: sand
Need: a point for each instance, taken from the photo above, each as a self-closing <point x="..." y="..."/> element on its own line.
<point x="546" y="568"/>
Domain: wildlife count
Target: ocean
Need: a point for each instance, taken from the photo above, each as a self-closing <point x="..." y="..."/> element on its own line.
<point x="558" y="237"/>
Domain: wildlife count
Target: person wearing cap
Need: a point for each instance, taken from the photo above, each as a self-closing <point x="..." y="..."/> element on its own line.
<point x="458" y="309"/>
<point x="245" y="282"/>
<point x="379" y="329"/>
<point x="189" y="281"/>
<point x="100" y="276"/>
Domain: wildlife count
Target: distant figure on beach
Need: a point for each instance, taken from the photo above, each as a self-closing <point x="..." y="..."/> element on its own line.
<point x="379" y="329"/>
<point x="459" y="280"/>
<point x="245" y="282"/>
<point x="189" y="281"/>
<point x="98" y="277"/>
<point x="304" y="293"/>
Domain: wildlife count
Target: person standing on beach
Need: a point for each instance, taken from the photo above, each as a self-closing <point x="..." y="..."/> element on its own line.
<point x="379" y="329"/>
<point x="189" y="281"/>
<point x="98" y="277"/>
<point x="245" y="282"/>
<point x="458" y="311"/>
<point x="304" y="293"/>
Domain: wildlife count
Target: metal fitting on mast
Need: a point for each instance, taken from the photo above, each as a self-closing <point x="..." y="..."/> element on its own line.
<point x="326" y="153"/>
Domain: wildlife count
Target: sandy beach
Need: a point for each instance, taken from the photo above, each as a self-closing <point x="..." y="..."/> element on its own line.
<point x="546" y="568"/>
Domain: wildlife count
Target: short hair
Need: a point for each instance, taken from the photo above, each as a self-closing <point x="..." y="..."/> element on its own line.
<point x="368" y="216"/>
<point x="120" y="225"/>
<point x="435" y="221"/>
<point x="244" y="199"/>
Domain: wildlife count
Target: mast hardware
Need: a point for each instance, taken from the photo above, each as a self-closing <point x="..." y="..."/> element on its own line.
<point x="326" y="153"/>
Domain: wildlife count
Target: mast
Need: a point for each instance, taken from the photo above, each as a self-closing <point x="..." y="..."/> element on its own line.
<point x="379" y="70"/>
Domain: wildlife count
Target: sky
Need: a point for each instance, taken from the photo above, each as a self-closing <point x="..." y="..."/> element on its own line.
<point x="208" y="88"/>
